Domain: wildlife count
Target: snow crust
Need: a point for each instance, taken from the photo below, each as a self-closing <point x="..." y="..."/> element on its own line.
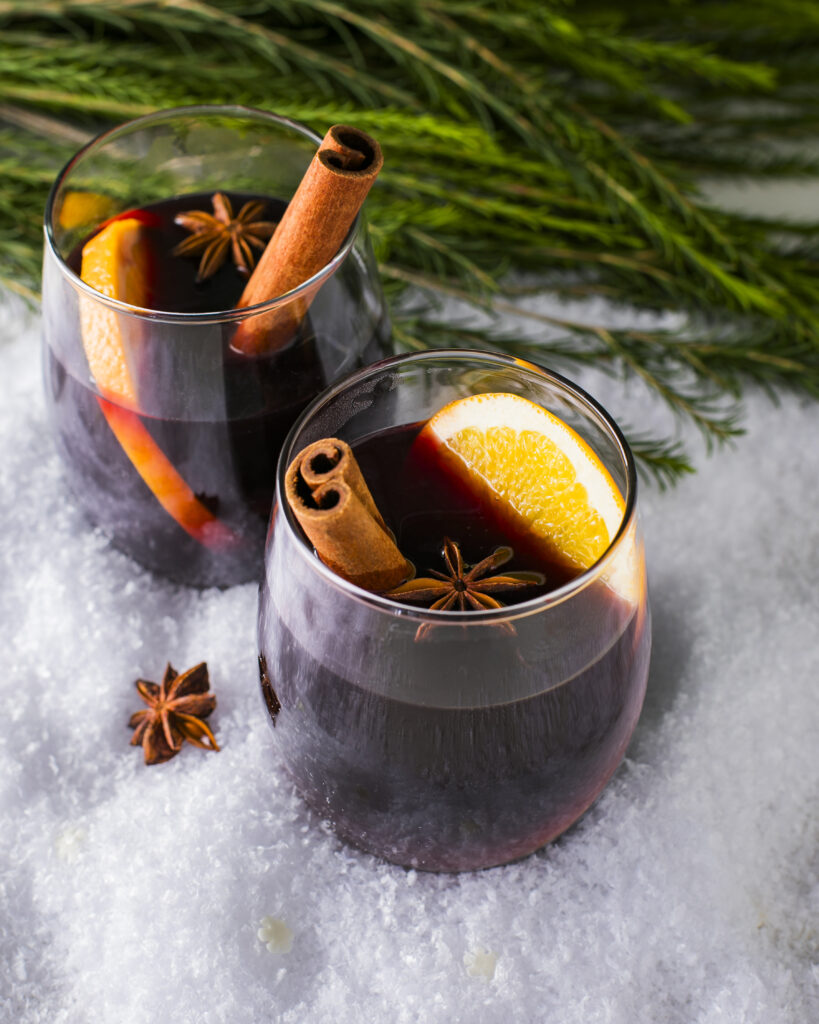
<point x="204" y="891"/>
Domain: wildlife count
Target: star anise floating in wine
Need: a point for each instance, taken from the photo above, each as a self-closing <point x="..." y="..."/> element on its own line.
<point x="215" y="234"/>
<point x="465" y="587"/>
<point x="175" y="713"/>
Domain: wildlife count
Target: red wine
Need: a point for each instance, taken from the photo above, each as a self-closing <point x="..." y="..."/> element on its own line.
<point x="219" y="416"/>
<point x="465" y="747"/>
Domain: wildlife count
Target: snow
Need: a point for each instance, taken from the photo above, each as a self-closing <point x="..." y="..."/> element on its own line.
<point x="204" y="891"/>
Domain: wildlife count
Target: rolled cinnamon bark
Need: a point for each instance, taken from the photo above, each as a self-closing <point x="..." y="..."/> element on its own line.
<point x="331" y="460"/>
<point x="333" y="505"/>
<point x="310" y="233"/>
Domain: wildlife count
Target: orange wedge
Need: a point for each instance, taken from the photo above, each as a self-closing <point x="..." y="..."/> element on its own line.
<point x="538" y="474"/>
<point x="116" y="262"/>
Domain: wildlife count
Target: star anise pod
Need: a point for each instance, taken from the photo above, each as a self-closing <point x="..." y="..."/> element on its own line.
<point x="214" y="234"/>
<point x="175" y="712"/>
<point x="462" y="586"/>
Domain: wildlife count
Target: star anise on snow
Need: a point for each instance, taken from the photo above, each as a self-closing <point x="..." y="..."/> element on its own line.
<point x="214" y="234"/>
<point x="175" y="713"/>
<point x="465" y="587"/>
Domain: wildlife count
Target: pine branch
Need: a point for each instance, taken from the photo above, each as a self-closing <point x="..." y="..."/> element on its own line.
<point x="521" y="138"/>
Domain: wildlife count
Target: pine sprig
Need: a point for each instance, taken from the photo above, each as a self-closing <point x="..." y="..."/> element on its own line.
<point x="663" y="461"/>
<point x="521" y="139"/>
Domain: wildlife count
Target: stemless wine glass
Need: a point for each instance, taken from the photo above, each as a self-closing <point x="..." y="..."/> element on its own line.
<point x="481" y="736"/>
<point x="182" y="477"/>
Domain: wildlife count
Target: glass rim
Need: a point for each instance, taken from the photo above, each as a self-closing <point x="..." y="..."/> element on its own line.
<point x="523" y="608"/>
<point x="235" y="110"/>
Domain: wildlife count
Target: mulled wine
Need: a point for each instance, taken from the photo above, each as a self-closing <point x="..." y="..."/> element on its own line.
<point x="458" y="741"/>
<point x="168" y="393"/>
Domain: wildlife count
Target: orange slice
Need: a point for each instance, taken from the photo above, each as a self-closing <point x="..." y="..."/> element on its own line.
<point x="116" y="262"/>
<point x="539" y="475"/>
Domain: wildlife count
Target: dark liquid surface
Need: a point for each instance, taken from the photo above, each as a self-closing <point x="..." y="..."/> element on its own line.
<point x="233" y="410"/>
<point x="463" y="749"/>
<point x="174" y="287"/>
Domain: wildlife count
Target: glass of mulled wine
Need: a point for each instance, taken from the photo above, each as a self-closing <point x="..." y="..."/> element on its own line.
<point x="169" y="430"/>
<point x="445" y="739"/>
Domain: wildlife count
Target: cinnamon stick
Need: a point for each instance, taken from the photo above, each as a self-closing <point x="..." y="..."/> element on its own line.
<point x="310" y="233"/>
<point x="330" y="498"/>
